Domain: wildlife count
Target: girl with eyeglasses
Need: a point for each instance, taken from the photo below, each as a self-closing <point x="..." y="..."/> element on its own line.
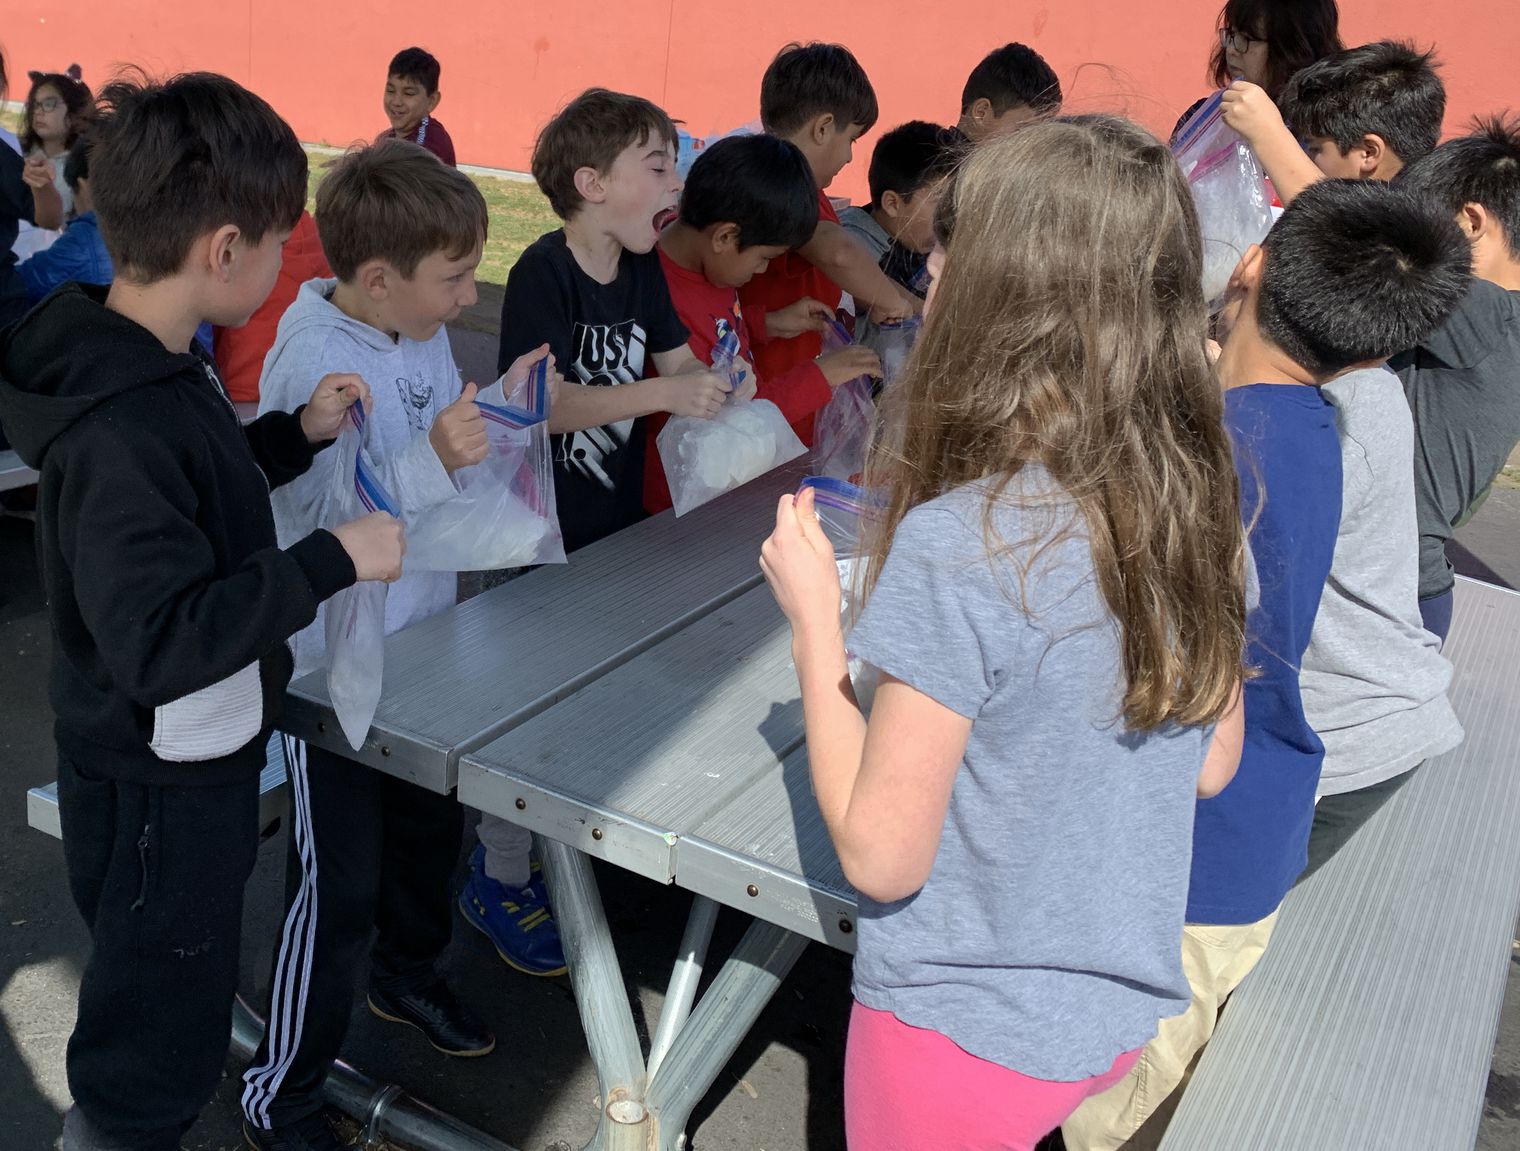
<point x="57" y="108"/>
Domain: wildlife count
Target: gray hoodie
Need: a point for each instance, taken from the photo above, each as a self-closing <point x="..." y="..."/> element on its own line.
<point x="1373" y="679"/>
<point x="411" y="383"/>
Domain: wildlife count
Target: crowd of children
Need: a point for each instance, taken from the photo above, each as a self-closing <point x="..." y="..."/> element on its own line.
<point x="1157" y="597"/>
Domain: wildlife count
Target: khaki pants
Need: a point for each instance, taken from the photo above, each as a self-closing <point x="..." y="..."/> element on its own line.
<point x="1215" y="960"/>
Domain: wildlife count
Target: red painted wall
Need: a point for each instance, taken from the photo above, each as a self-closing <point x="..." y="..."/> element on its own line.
<point x="508" y="65"/>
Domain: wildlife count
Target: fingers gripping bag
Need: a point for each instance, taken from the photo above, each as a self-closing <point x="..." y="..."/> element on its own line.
<point x="1229" y="191"/>
<point x="355" y="617"/>
<point x="747" y="438"/>
<point x="843" y="428"/>
<point x="846" y="512"/>
<point x="504" y="515"/>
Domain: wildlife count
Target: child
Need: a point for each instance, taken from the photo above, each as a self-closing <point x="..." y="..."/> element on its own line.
<point x="170" y="601"/>
<point x="1350" y="272"/>
<point x="594" y="292"/>
<point x="1010" y="87"/>
<point x="56" y="109"/>
<point x="1015" y="813"/>
<point x="817" y="96"/>
<point x="1461" y="381"/>
<point x="80" y="253"/>
<point x="411" y="95"/>
<point x="748" y="201"/>
<point x="404" y="235"/>
<point x="908" y="168"/>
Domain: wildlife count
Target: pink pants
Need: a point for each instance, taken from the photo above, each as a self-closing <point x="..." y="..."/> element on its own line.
<point x="908" y="1089"/>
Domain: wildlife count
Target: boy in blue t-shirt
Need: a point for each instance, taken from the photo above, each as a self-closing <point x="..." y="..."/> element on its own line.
<point x="1353" y="272"/>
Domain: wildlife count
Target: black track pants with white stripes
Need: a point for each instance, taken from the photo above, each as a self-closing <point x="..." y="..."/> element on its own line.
<point x="367" y="851"/>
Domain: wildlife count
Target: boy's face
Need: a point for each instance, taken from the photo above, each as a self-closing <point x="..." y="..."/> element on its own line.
<point x="1334" y="163"/>
<point x="980" y="124"/>
<point x="437" y="292"/>
<point x="641" y="193"/>
<point x="253" y="277"/>
<point x="730" y="266"/>
<point x="833" y="151"/>
<point x="407" y="101"/>
<point x="911" y="218"/>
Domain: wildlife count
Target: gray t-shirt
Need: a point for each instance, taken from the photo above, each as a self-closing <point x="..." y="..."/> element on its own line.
<point x="1463" y="388"/>
<point x="1048" y="936"/>
<point x="1373" y="679"/>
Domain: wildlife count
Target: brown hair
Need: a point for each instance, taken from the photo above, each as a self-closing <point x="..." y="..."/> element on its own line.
<point x="591" y="132"/>
<point x="1068" y="330"/>
<point x="396" y="201"/>
<point x="77" y="101"/>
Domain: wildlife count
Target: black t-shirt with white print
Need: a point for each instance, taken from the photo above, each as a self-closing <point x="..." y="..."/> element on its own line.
<point x="601" y="335"/>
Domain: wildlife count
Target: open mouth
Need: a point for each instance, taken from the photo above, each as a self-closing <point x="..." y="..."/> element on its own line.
<point x="663" y="217"/>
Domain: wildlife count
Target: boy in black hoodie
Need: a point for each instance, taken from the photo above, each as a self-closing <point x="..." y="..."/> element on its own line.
<point x="170" y="601"/>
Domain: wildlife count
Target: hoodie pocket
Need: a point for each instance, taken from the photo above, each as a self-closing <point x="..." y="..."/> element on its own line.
<point x="212" y="722"/>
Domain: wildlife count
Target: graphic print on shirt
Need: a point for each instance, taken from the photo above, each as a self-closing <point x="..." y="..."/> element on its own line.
<point x="417" y="400"/>
<point x="603" y="356"/>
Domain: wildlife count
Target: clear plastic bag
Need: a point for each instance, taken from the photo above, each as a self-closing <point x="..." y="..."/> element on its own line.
<point x="504" y="515"/>
<point x="845" y="512"/>
<point x="689" y="147"/>
<point x="747" y="438"/>
<point x="843" y="428"/>
<point x="355" y="617"/>
<point x="893" y="342"/>
<point x="1229" y="192"/>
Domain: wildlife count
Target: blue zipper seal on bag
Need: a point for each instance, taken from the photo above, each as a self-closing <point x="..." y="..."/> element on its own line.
<point x="367" y="485"/>
<point x="537" y="411"/>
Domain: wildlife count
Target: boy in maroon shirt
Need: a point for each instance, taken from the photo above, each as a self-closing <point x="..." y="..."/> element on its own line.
<point x="411" y="95"/>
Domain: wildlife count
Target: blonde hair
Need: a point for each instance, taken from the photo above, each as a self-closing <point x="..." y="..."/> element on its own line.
<point x="1068" y="330"/>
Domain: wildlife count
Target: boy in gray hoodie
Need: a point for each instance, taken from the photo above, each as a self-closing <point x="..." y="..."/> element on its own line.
<point x="403" y="233"/>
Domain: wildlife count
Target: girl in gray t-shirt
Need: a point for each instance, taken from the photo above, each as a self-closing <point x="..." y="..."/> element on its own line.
<point x="1055" y="601"/>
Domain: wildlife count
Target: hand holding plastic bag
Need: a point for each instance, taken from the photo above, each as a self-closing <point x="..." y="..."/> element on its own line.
<point x="893" y="342"/>
<point x="504" y="515"/>
<point x="747" y="438"/>
<point x="1229" y="192"/>
<point x="846" y="512"/>
<point x="844" y="426"/>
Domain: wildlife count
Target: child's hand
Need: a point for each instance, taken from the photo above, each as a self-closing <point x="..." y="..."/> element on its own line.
<point x="896" y="311"/>
<point x="699" y="394"/>
<point x="375" y="543"/>
<point x="38" y="172"/>
<point x="798" y="562"/>
<point x="847" y="363"/>
<point x="1250" y="111"/>
<point x="749" y="381"/>
<point x="336" y="392"/>
<point x="458" y="435"/>
<point x="806" y="315"/>
<point x="524" y="363"/>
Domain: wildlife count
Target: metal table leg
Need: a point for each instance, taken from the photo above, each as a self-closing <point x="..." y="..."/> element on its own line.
<point x="682" y="992"/>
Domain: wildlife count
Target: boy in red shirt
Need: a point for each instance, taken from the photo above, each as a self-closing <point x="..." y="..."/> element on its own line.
<point x="818" y="97"/>
<point x="747" y="202"/>
<point x="411" y="95"/>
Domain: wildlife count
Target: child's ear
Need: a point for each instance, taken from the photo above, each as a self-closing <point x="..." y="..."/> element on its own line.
<point x="433" y="101"/>
<point x="1375" y="155"/>
<point x="981" y="110"/>
<point x="822" y="128"/>
<point x="893" y="204"/>
<point x="373" y="278"/>
<point x="222" y="251"/>
<point x="725" y="238"/>
<point x="1474" y="221"/>
<point x="591" y="186"/>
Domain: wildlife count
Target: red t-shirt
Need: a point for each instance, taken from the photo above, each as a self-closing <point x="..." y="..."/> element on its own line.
<point x="786" y="281"/>
<point x="432" y="136"/>
<point x="799" y="391"/>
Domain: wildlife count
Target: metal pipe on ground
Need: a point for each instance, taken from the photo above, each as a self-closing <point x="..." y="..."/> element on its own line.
<point x="385" y="1111"/>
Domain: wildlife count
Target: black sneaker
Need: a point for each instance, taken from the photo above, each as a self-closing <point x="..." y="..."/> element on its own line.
<point x="447" y="1023"/>
<point x="310" y="1134"/>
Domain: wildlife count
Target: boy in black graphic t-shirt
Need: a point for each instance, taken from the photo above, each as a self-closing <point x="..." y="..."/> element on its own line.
<point x="595" y="293"/>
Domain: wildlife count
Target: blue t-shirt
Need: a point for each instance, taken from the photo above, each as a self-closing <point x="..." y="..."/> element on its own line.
<point x="1250" y="842"/>
<point x="1047" y="938"/>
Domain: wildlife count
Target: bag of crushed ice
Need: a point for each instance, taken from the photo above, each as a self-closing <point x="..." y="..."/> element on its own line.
<point x="843" y="428"/>
<point x="845" y="511"/>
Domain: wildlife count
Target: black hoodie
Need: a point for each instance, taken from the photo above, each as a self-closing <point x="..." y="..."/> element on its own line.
<point x="170" y="601"/>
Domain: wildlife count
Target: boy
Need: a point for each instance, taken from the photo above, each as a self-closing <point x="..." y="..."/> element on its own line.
<point x="1010" y="87"/>
<point x="403" y="234"/>
<point x="817" y="97"/>
<point x="748" y="200"/>
<point x="80" y="253"/>
<point x="170" y="601"/>
<point x="593" y="292"/>
<point x="411" y="96"/>
<point x="1351" y="272"/>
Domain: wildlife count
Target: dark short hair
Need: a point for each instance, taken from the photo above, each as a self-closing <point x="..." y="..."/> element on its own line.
<point x="591" y="132"/>
<point x="909" y="157"/>
<point x="761" y="183"/>
<point x="176" y="159"/>
<point x="76" y="98"/>
<point x="1388" y="89"/>
<point x="1297" y="32"/>
<point x="1012" y="76"/>
<point x="809" y="80"/>
<point x="395" y="202"/>
<point x="417" y="64"/>
<point x="1482" y="167"/>
<point x="1358" y="270"/>
<point x="76" y="166"/>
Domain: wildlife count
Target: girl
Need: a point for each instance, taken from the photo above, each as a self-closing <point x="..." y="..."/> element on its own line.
<point x="56" y="110"/>
<point x="1055" y="603"/>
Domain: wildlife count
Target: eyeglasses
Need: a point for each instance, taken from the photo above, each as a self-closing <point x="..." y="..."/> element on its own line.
<point x="49" y="104"/>
<point x="1238" y="42"/>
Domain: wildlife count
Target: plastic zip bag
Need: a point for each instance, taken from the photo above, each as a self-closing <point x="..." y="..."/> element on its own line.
<point x="845" y="512"/>
<point x="747" y="438"/>
<point x="1229" y="191"/>
<point x="355" y="617"/>
<point x="843" y="428"/>
<point x="893" y="342"/>
<point x="504" y="515"/>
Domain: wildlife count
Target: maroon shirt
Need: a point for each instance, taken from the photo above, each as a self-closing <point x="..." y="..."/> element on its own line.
<point x="432" y="136"/>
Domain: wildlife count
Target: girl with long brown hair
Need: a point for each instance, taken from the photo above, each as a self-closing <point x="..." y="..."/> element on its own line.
<point x="1055" y="603"/>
